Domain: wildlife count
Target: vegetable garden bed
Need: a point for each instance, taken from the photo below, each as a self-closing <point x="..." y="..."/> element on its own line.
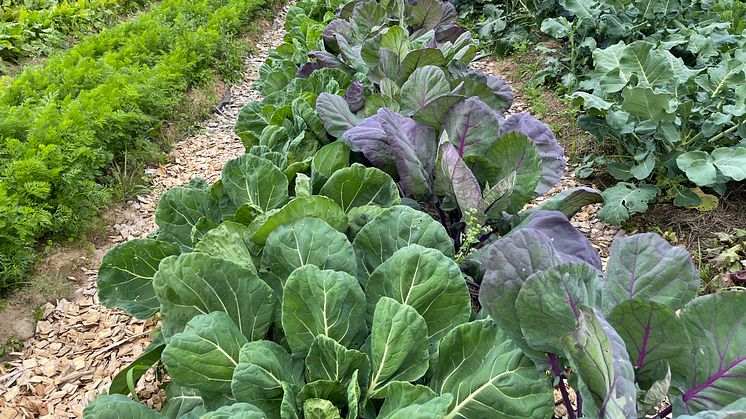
<point x="65" y="123"/>
<point x="327" y="273"/>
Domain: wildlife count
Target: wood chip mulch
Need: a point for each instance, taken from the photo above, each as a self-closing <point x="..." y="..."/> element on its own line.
<point x="80" y="345"/>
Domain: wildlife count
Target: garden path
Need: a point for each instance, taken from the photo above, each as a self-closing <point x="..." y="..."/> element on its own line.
<point x="80" y="345"/>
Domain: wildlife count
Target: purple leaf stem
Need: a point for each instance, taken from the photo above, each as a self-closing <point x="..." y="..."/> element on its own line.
<point x="565" y="396"/>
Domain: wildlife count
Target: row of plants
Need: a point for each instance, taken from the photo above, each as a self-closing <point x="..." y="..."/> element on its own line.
<point x="65" y="122"/>
<point x="32" y="28"/>
<point x="662" y="83"/>
<point x="370" y="255"/>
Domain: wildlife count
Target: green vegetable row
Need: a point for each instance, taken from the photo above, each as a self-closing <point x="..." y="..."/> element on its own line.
<point x="662" y="85"/>
<point x="62" y="124"/>
<point x="29" y="29"/>
<point x="328" y="273"/>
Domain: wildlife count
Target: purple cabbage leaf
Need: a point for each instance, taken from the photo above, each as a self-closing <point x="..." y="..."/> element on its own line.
<point x="552" y="154"/>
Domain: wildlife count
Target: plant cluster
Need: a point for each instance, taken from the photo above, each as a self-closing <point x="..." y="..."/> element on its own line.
<point x="310" y="282"/>
<point x="62" y="124"/>
<point x="663" y="82"/>
<point x="33" y="28"/>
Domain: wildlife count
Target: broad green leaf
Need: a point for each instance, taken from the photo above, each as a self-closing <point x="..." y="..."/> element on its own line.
<point x="178" y="211"/>
<point x="137" y="368"/>
<point x="422" y="87"/>
<point x="646" y="104"/>
<point x="196" y="283"/>
<point x="417" y="59"/>
<point x="735" y="410"/>
<point x="568" y="202"/>
<point x="625" y="199"/>
<point x="652" y="333"/>
<point x="183" y="402"/>
<point x="396" y="349"/>
<point x="488" y="375"/>
<point x="321" y="302"/>
<point x="118" y="406"/>
<point x="125" y="279"/>
<point x="302" y="185"/>
<point x="353" y="395"/>
<point x="263" y="376"/>
<point x="205" y="354"/>
<point x="253" y="180"/>
<point x="698" y="166"/>
<point x="717" y="372"/>
<point x="434" y="408"/>
<point x="358" y="217"/>
<point x="236" y="411"/>
<point x="230" y="241"/>
<point x="651" y="66"/>
<point x="722" y="77"/>
<point x="512" y="167"/>
<point x="328" y="360"/>
<point x="358" y="185"/>
<point x="251" y="121"/>
<point x="320" y="409"/>
<point x="731" y="162"/>
<point x="549" y="301"/>
<point x="332" y="391"/>
<point x="646" y="266"/>
<point x="313" y="206"/>
<point x="396" y="40"/>
<point x="508" y="262"/>
<point x="335" y="114"/>
<point x="655" y="389"/>
<point x="309" y="241"/>
<point x="398" y="395"/>
<point x="426" y="280"/>
<point x="394" y="228"/>
<point x="600" y="359"/>
<point x="328" y="159"/>
<point x="434" y="113"/>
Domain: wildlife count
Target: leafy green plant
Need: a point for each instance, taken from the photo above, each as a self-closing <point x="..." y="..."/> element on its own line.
<point x="111" y="94"/>
<point x="32" y="28"/>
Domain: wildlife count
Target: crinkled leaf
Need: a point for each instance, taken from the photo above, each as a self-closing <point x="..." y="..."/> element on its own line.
<point x="304" y="207"/>
<point x="355" y="96"/>
<point x="320" y="409"/>
<point x="625" y="199"/>
<point x="179" y="210"/>
<point x="125" y="279"/>
<point x="455" y="180"/>
<point x="328" y="360"/>
<point x="230" y="241"/>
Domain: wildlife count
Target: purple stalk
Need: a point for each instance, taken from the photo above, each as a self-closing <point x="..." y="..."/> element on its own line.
<point x="665" y="412"/>
<point x="579" y="402"/>
<point x="565" y="396"/>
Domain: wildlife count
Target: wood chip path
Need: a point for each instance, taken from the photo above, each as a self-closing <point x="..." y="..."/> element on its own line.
<point x="80" y="345"/>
